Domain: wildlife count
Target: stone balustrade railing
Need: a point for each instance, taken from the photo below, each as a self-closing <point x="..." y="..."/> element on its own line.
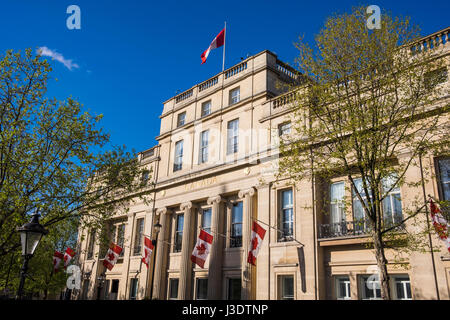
<point x="435" y="40"/>
<point x="208" y="84"/>
<point x="183" y="96"/>
<point x="235" y="70"/>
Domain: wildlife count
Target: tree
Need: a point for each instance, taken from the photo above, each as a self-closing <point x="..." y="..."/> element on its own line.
<point x="366" y="100"/>
<point x="50" y="156"/>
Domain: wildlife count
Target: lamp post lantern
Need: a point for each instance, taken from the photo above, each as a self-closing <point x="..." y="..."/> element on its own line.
<point x="157" y="228"/>
<point x="30" y="236"/>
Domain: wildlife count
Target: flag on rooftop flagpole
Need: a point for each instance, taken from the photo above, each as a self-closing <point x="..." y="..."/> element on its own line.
<point x="57" y="257"/>
<point x="201" y="249"/>
<point x="111" y="256"/>
<point x="257" y="237"/>
<point x="68" y="255"/>
<point x="440" y="224"/>
<point x="218" y="41"/>
<point x="148" y="249"/>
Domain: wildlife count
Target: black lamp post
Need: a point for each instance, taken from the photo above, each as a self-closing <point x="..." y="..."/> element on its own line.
<point x="30" y="236"/>
<point x="157" y="227"/>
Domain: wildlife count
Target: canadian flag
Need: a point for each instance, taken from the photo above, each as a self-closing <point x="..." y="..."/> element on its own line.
<point x="218" y="41"/>
<point x="68" y="255"/>
<point x="57" y="257"/>
<point x="111" y="256"/>
<point x="440" y="224"/>
<point x="201" y="249"/>
<point x="148" y="249"/>
<point x="257" y="237"/>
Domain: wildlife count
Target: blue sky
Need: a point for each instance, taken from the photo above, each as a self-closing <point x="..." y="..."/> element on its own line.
<point x="132" y="55"/>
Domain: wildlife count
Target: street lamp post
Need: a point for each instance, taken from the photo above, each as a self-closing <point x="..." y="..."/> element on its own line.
<point x="101" y="280"/>
<point x="30" y="236"/>
<point x="157" y="228"/>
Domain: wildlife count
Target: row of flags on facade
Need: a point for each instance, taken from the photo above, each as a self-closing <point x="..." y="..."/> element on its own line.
<point x="58" y="257"/>
<point x="440" y="224"/>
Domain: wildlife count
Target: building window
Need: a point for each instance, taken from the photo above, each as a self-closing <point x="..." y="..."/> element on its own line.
<point x="204" y="136"/>
<point x="84" y="296"/>
<point x="138" y="236"/>
<point x="358" y="209"/>
<point x="145" y="176"/>
<point x="120" y="237"/>
<point x="286" y="287"/>
<point x="337" y="208"/>
<point x="402" y="288"/>
<point x="133" y="288"/>
<point x="178" y="163"/>
<point x="91" y="245"/>
<point x="234" y="289"/>
<point x="444" y="178"/>
<point x="181" y="119"/>
<point x="235" y="95"/>
<point x="233" y="136"/>
<point x="284" y="128"/>
<point x="179" y="233"/>
<point x="435" y="77"/>
<point x="173" y="288"/>
<point x="370" y="287"/>
<point x="206" y="108"/>
<point x="114" y="289"/>
<point x="202" y="289"/>
<point x="236" y="225"/>
<point x="343" y="288"/>
<point x="286" y="216"/>
<point x="206" y="220"/>
<point x="392" y="203"/>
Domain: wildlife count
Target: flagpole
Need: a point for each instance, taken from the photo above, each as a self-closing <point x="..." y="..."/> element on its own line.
<point x="224" y="43"/>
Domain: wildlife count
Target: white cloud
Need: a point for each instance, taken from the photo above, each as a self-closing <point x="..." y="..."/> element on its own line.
<point x="44" y="51"/>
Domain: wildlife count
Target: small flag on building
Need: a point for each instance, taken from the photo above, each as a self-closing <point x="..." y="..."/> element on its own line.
<point x="57" y="257"/>
<point x="201" y="249"/>
<point x="440" y="224"/>
<point x="148" y="249"/>
<point x="257" y="237"/>
<point x="68" y="255"/>
<point x="218" y="41"/>
<point x="111" y="256"/>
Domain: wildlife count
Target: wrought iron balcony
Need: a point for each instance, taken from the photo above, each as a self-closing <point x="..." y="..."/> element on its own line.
<point x="346" y="229"/>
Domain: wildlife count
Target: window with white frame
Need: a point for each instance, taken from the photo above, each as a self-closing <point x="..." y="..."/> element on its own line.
<point x="286" y="215"/>
<point x="206" y="219"/>
<point x="402" y="287"/>
<point x="236" y="225"/>
<point x="235" y="95"/>
<point x="181" y="119"/>
<point x="358" y="208"/>
<point x="232" y="136"/>
<point x="284" y="128"/>
<point x="178" y="163"/>
<point x="392" y="203"/>
<point x="370" y="288"/>
<point x="342" y="286"/>
<point x="173" y="288"/>
<point x="206" y="108"/>
<point x="119" y="237"/>
<point x="204" y="136"/>
<point x="138" y="236"/>
<point x="178" y="233"/>
<point x="337" y="202"/>
<point x="91" y="245"/>
<point x="286" y="287"/>
<point x="202" y="289"/>
<point x="133" y="288"/>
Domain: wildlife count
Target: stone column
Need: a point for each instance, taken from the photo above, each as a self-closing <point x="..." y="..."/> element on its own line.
<point x="215" y="255"/>
<point x="263" y="269"/>
<point x="184" y="286"/>
<point x="159" y="280"/>
<point x="247" y="217"/>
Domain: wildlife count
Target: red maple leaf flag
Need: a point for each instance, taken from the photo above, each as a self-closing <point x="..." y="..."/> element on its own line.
<point x="111" y="256"/>
<point x="57" y="257"/>
<point x="201" y="249"/>
<point x="440" y="224"/>
<point x="218" y="41"/>
<point x="148" y="249"/>
<point x="68" y="255"/>
<point x="257" y="237"/>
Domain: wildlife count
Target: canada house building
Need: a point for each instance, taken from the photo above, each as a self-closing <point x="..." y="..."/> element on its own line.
<point x="214" y="168"/>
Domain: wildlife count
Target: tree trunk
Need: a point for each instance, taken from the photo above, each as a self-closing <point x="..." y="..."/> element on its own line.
<point x="382" y="266"/>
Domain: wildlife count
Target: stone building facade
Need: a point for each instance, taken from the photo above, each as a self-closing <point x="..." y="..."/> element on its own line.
<point x="213" y="168"/>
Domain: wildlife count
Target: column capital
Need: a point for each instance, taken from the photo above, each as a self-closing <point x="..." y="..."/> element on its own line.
<point x="161" y="211"/>
<point x="186" y="205"/>
<point x="250" y="191"/>
<point x="214" y="200"/>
